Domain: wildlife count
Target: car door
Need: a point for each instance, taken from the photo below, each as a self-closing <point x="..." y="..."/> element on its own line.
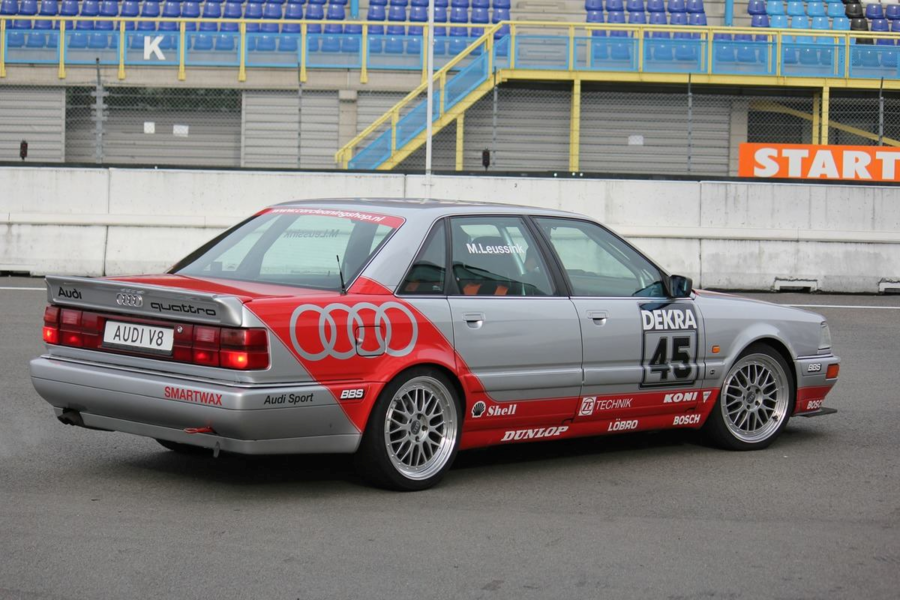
<point x="642" y="350"/>
<point x="516" y="335"/>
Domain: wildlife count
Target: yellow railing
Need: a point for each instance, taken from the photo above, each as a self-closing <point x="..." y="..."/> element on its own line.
<point x="439" y="77"/>
<point x="566" y="30"/>
<point x="68" y="24"/>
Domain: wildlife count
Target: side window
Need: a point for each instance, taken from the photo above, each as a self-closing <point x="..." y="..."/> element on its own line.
<point x="426" y="276"/>
<point x="497" y="256"/>
<point x="599" y="264"/>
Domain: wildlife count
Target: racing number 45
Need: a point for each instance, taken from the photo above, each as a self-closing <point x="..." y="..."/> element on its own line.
<point x="680" y="352"/>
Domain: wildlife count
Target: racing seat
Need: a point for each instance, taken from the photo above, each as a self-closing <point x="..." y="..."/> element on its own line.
<point x="493" y="274"/>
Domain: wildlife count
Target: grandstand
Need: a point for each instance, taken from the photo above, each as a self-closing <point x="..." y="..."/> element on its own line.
<point x="630" y="86"/>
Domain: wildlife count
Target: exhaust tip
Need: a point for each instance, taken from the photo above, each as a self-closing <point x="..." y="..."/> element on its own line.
<point x="71" y="417"/>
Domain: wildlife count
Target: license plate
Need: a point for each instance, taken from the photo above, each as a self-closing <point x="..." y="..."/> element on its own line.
<point x="141" y="337"/>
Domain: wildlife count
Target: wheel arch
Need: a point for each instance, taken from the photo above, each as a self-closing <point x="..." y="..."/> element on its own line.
<point x="443" y="369"/>
<point x="782" y="349"/>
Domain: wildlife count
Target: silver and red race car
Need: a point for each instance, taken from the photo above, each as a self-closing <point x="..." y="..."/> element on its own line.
<point x="404" y="331"/>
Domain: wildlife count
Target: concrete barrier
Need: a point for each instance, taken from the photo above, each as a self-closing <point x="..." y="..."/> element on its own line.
<point x="729" y="235"/>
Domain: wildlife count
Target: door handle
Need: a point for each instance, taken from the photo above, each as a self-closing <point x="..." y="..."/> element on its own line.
<point x="598" y="317"/>
<point x="474" y="320"/>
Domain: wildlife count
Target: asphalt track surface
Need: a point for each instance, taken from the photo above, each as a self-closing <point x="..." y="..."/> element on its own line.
<point x="92" y="515"/>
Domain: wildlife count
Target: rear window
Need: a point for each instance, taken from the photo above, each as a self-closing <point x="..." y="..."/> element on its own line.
<point x="294" y="246"/>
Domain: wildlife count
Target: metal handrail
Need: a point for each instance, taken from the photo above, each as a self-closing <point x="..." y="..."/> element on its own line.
<point x="343" y="155"/>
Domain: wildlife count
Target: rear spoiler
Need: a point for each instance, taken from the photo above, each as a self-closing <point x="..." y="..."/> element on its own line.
<point x="145" y="300"/>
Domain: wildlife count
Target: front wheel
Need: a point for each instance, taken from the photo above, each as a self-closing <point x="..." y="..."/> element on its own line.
<point x="413" y="433"/>
<point x="755" y="403"/>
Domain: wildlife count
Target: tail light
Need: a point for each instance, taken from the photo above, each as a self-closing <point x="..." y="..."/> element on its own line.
<point x="225" y="347"/>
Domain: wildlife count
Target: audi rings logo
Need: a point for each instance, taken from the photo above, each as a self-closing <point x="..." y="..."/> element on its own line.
<point x="129" y="299"/>
<point x="332" y="337"/>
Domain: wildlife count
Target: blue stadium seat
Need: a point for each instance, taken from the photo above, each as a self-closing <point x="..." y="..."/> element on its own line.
<point x="376" y="12"/>
<point x="335" y="12"/>
<point x="745" y="51"/>
<point x="697" y="20"/>
<point x="822" y="23"/>
<point x="799" y="22"/>
<point x="459" y="3"/>
<point x="695" y="6"/>
<point x="68" y="8"/>
<point x="267" y="42"/>
<point x="659" y="18"/>
<point x="314" y="12"/>
<point x="637" y="18"/>
<point x="796" y="9"/>
<point x="150" y="8"/>
<point x="815" y="9"/>
<point x="252" y="11"/>
<point x="678" y="19"/>
<point x="28" y="8"/>
<point x="840" y="24"/>
<point x="90" y="8"/>
<point x="835" y="9"/>
<point x="656" y="6"/>
<point x="479" y="16"/>
<point x="874" y="11"/>
<point x="634" y="5"/>
<point x="677" y="6"/>
<point x="190" y="10"/>
<point x="756" y="7"/>
<point x="130" y="8"/>
<point x="377" y="3"/>
<point x="502" y="4"/>
<point x="759" y="21"/>
<point x="778" y="22"/>
<point x="394" y="44"/>
<point x="776" y="7"/>
<point x="892" y="12"/>
<point x="109" y="8"/>
<point x="502" y="14"/>
<point x="481" y="4"/>
<point x="616" y="17"/>
<point x="615" y="6"/>
<point x="9" y="8"/>
<point x="895" y="26"/>
<point x="403" y="3"/>
<point x="591" y="5"/>
<point x="396" y="14"/>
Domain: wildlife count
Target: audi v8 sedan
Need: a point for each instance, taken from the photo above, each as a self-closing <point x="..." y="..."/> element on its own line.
<point x="405" y="331"/>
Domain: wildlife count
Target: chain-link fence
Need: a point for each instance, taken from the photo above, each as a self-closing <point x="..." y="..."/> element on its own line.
<point x="673" y="130"/>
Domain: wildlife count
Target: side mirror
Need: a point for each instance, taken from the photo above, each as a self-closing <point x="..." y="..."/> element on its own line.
<point x="680" y="286"/>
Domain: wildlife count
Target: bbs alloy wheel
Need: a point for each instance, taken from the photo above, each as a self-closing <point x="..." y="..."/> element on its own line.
<point x="413" y="432"/>
<point x="756" y="401"/>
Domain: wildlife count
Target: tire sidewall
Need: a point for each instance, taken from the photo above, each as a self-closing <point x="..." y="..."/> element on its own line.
<point x="372" y="460"/>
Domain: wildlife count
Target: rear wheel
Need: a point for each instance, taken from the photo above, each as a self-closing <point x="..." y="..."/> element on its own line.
<point x="755" y="403"/>
<point x="413" y="433"/>
<point x="184" y="448"/>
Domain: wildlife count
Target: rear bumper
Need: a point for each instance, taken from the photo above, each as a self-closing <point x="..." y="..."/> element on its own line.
<point x="246" y="420"/>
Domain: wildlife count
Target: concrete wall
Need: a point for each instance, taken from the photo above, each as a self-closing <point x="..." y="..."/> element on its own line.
<point x="723" y="234"/>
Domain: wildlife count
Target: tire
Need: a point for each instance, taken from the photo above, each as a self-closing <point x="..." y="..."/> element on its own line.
<point x="184" y="448"/>
<point x="755" y="403"/>
<point x="413" y="433"/>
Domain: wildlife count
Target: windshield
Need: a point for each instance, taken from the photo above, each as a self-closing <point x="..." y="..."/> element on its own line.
<point x="294" y="246"/>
